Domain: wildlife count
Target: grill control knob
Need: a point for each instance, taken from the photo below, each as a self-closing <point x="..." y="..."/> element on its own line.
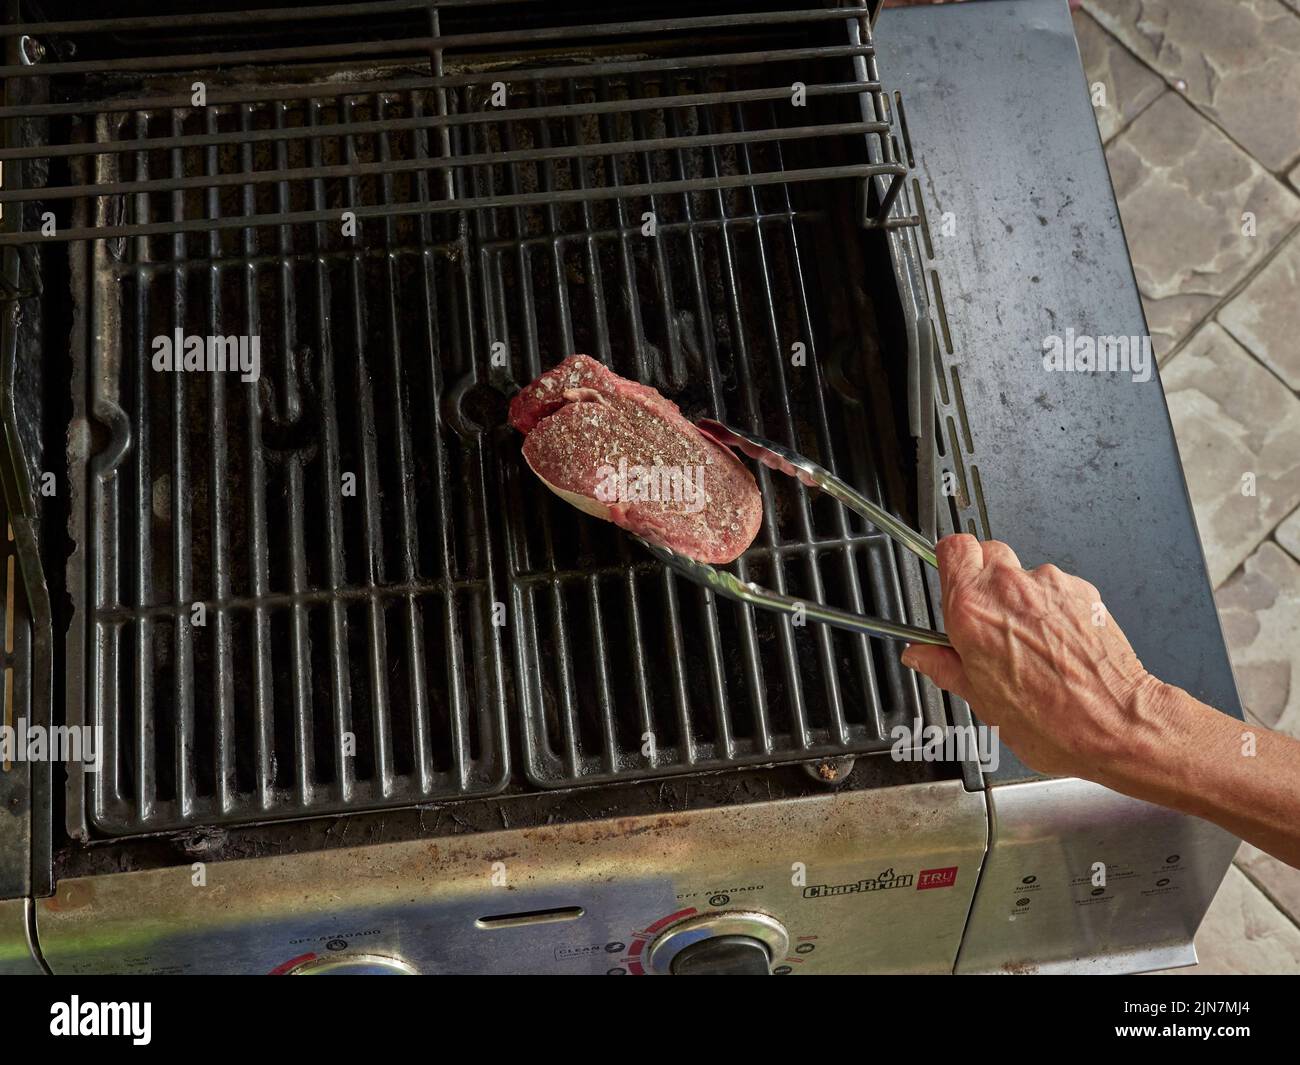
<point x="724" y="956"/>
<point x="735" y="942"/>
<point x="354" y="965"/>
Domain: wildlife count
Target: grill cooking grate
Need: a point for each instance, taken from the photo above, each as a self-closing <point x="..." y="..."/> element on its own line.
<point x="623" y="669"/>
<point x="448" y="39"/>
<point x="367" y="649"/>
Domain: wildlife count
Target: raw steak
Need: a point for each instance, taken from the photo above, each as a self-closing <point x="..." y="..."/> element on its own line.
<point x="619" y="451"/>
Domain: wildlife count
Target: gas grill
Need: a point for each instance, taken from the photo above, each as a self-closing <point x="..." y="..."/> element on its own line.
<point x="335" y="639"/>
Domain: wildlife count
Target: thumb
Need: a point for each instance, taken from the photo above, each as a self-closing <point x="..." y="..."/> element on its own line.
<point x="941" y="664"/>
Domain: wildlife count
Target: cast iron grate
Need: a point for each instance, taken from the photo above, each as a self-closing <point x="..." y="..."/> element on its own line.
<point x="366" y="650"/>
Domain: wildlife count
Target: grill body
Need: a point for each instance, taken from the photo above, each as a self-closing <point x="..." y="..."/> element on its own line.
<point x="490" y="246"/>
<point x="558" y="909"/>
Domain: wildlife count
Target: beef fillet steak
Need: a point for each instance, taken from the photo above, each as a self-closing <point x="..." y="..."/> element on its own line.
<point x="619" y="451"/>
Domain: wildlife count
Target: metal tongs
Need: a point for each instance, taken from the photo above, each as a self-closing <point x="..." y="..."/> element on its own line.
<point x="783" y="460"/>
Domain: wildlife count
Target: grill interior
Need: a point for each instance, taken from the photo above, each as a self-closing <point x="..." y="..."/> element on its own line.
<point x="390" y="603"/>
<point x="16" y="661"/>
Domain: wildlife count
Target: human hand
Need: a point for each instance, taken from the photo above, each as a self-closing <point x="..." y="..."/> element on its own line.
<point x="1036" y="654"/>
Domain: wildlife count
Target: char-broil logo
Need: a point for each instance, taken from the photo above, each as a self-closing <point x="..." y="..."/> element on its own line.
<point x="886" y="880"/>
<point x="122" y="1019"/>
<point x="936" y="878"/>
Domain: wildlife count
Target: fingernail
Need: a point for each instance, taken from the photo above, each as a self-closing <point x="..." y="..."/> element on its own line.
<point x="908" y="658"/>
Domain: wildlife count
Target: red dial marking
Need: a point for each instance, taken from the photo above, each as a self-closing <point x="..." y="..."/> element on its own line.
<point x="292" y="963"/>
<point x="663" y="922"/>
<point x="640" y="939"/>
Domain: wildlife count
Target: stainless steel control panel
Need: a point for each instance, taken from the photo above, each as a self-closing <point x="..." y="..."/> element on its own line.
<point x="1080" y="879"/>
<point x="869" y="881"/>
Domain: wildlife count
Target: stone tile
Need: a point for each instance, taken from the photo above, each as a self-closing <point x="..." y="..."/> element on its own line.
<point x="1244" y="933"/>
<point x="1129" y="85"/>
<point x="1240" y="62"/>
<point x="1294" y="176"/>
<point x="1183" y="189"/>
<point x="1260" y="611"/>
<point x="1233" y="418"/>
<point x="1288" y="533"/>
<point x="1265" y="315"/>
<point x="1279" y="881"/>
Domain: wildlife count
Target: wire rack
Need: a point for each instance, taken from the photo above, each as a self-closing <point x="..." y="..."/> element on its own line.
<point x="216" y="83"/>
<point x="416" y="211"/>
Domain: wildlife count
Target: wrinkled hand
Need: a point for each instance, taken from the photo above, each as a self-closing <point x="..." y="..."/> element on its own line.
<point x="1035" y="653"/>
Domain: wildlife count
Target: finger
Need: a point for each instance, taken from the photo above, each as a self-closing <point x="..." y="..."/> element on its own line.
<point x="941" y="664"/>
<point x="1058" y="578"/>
<point x="998" y="553"/>
<point x="960" y="560"/>
<point x="1085" y="588"/>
